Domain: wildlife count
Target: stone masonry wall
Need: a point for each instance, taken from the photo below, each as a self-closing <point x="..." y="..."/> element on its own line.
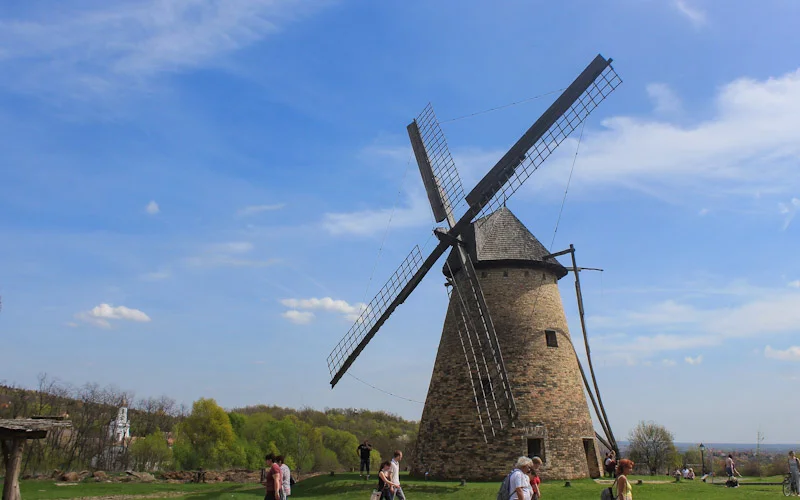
<point x="546" y="383"/>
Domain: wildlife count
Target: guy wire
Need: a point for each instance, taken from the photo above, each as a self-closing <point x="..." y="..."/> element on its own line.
<point x="566" y="189"/>
<point x="503" y="106"/>
<point x="383" y="391"/>
<point x="386" y="232"/>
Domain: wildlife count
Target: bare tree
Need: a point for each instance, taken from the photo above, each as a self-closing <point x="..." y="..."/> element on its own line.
<point x="651" y="445"/>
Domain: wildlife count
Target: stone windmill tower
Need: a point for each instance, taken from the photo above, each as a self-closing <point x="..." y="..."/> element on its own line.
<point x="553" y="422"/>
<point x="506" y="380"/>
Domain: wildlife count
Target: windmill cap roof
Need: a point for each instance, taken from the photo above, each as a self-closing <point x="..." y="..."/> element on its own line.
<point x="500" y="239"/>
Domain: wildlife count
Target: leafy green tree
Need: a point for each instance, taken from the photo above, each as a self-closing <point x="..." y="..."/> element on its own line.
<point x="652" y="445"/>
<point x="206" y="439"/>
<point x="151" y="452"/>
<point x="343" y="444"/>
<point x="237" y="422"/>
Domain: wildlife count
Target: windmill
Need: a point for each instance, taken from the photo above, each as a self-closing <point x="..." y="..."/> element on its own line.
<point x="481" y="410"/>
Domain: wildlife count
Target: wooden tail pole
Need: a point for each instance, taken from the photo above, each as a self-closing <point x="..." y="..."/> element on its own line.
<point x="602" y="417"/>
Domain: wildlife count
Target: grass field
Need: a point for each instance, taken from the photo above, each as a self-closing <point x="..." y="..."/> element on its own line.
<point x="350" y="487"/>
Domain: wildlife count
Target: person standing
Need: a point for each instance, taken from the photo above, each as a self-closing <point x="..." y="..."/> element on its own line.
<point x="272" y="479"/>
<point x="286" y="477"/>
<point x="395" y="475"/>
<point x="624" y="490"/>
<point x="794" y="470"/>
<point x="364" y="449"/>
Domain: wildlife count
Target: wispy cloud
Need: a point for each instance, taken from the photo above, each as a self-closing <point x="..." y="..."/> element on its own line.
<point x="674" y="326"/>
<point x="257" y="209"/>
<point x="375" y="221"/>
<point x="789" y="210"/>
<point x="790" y="354"/>
<point x="152" y="208"/>
<point x="693" y="360"/>
<point x="298" y="317"/>
<point x="693" y="14"/>
<point x="231" y="254"/>
<point x="100" y="315"/>
<point x="157" y="275"/>
<point x="720" y="156"/>
<point x="351" y="312"/>
<point x="95" y="48"/>
<point x="668" y="362"/>
<point x="794" y="284"/>
<point x="665" y="99"/>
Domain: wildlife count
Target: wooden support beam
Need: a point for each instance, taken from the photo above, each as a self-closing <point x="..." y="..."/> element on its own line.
<point x="13" y="464"/>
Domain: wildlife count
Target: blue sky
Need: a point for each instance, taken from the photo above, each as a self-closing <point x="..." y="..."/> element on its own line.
<point x="194" y="194"/>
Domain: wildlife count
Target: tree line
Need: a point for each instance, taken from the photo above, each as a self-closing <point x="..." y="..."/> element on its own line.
<point x="653" y="449"/>
<point x="169" y="436"/>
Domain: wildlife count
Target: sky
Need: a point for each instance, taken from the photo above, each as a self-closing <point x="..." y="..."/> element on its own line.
<point x="197" y="196"/>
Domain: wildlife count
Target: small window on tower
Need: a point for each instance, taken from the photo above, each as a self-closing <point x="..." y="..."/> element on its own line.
<point x="536" y="448"/>
<point x="505" y="274"/>
<point x="550" y="336"/>
<point x="483" y="274"/>
<point x="527" y="273"/>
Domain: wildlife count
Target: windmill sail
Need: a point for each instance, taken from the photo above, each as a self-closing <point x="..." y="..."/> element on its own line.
<point x="572" y="107"/>
<point x="393" y="293"/>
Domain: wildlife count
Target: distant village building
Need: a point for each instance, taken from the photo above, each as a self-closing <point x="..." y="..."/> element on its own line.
<point x="120" y="428"/>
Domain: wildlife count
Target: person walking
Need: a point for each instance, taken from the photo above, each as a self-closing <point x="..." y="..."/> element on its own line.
<point x="624" y="490"/>
<point x="364" y="449"/>
<point x="286" y="477"/>
<point x="794" y="470"/>
<point x="519" y="483"/>
<point x="395" y="477"/>
<point x="533" y="475"/>
<point x="385" y="485"/>
<point x="272" y="479"/>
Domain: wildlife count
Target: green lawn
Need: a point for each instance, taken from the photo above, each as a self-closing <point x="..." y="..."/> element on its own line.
<point x="349" y="486"/>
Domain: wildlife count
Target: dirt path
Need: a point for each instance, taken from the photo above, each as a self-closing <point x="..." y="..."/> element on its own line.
<point x="163" y="494"/>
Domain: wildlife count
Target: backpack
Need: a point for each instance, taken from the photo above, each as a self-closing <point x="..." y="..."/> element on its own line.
<point x="608" y="493"/>
<point x="503" y="493"/>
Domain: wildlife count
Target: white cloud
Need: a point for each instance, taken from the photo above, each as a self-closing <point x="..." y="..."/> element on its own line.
<point x="152" y="208"/>
<point x="696" y="16"/>
<point x="694" y="361"/>
<point x="96" y="49"/>
<point x="681" y="325"/>
<point x="668" y="362"/>
<point x="665" y="99"/>
<point x="702" y="212"/>
<point x="789" y="210"/>
<point x="255" y="209"/>
<point x="794" y="284"/>
<point x="748" y="145"/>
<point x="375" y="221"/>
<point x="790" y="354"/>
<point x="100" y="315"/>
<point x="298" y="317"/>
<point x="351" y="312"/>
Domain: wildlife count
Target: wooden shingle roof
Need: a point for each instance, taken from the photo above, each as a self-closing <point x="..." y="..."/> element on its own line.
<point x="501" y="240"/>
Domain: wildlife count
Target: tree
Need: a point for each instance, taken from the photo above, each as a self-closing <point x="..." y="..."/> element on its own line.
<point x="151" y="452"/>
<point x="651" y="445"/>
<point x="206" y="439"/>
<point x="343" y="444"/>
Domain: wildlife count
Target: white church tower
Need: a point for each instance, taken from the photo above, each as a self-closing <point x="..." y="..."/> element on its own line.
<point x="120" y="428"/>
